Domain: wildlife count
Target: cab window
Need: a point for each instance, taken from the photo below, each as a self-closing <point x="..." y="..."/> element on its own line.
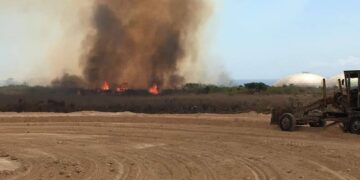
<point x="354" y="83"/>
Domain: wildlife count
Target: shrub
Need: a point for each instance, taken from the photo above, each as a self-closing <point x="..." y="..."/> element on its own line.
<point x="256" y="86"/>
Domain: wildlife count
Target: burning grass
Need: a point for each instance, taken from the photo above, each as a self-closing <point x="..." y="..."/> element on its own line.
<point x="207" y="99"/>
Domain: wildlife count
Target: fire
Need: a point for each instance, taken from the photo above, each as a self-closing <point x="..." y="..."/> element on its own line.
<point x="154" y="89"/>
<point x="105" y="86"/>
<point x="122" y="88"/>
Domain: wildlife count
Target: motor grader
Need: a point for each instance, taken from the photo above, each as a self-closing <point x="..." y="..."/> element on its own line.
<point x="342" y="107"/>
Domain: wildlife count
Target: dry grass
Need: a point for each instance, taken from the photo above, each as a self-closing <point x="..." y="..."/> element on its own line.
<point x="173" y="103"/>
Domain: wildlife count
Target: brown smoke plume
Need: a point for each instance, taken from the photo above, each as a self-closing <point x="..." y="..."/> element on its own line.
<point x="141" y="41"/>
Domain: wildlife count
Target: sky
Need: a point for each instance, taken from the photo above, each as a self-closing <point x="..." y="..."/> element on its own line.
<point x="273" y="38"/>
<point x="248" y="39"/>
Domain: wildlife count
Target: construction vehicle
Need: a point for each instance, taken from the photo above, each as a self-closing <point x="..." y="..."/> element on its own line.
<point x="343" y="107"/>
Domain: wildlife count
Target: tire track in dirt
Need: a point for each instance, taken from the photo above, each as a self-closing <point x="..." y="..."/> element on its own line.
<point x="157" y="147"/>
<point x="334" y="173"/>
<point x="259" y="172"/>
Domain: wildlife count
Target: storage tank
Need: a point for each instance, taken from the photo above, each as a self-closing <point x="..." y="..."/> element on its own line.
<point x="304" y="79"/>
<point x="333" y="81"/>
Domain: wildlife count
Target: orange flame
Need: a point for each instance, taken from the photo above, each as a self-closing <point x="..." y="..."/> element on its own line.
<point x="154" y="90"/>
<point x="122" y="88"/>
<point x="105" y="86"/>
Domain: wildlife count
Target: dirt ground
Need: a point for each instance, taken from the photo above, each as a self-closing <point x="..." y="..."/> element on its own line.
<point x="103" y="146"/>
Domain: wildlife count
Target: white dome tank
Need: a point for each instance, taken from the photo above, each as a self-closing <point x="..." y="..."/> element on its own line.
<point x="304" y="79"/>
<point x="333" y="81"/>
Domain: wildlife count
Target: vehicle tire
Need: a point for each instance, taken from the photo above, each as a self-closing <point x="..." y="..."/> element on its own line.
<point x="354" y="126"/>
<point x="319" y="123"/>
<point x="287" y="122"/>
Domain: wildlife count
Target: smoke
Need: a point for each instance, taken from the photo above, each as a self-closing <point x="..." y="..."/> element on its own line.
<point x="41" y="39"/>
<point x="142" y="42"/>
<point x="69" y="81"/>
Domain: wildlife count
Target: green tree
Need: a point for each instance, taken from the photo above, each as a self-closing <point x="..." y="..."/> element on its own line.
<point x="256" y="86"/>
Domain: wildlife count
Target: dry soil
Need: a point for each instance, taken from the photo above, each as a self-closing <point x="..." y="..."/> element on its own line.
<point x="91" y="145"/>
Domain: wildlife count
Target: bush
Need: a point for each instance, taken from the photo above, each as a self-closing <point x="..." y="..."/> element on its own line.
<point x="209" y="88"/>
<point x="256" y="86"/>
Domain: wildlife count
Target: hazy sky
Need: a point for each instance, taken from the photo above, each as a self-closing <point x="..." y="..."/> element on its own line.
<point x="38" y="35"/>
<point x="250" y="39"/>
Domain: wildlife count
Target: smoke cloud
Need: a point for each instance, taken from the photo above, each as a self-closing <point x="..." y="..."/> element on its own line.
<point x="142" y="42"/>
<point x="42" y="39"/>
<point x="85" y="42"/>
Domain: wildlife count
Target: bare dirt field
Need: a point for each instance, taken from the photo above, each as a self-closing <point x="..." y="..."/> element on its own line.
<point x="103" y="146"/>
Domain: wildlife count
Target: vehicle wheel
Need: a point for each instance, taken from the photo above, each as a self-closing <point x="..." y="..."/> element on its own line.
<point x="354" y="126"/>
<point x="319" y="123"/>
<point x="287" y="122"/>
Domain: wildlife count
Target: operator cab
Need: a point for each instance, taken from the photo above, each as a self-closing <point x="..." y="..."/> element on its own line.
<point x="352" y="85"/>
